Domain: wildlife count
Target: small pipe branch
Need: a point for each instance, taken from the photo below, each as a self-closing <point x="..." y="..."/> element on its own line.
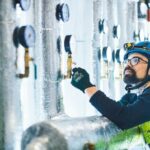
<point x="27" y="61"/>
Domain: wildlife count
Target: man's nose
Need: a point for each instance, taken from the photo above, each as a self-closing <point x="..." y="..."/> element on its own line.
<point x="128" y="63"/>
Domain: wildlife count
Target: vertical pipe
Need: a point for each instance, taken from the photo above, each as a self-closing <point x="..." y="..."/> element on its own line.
<point x="132" y="19"/>
<point x="10" y="111"/>
<point x="48" y="59"/>
<point x="122" y="19"/>
<point x="97" y="40"/>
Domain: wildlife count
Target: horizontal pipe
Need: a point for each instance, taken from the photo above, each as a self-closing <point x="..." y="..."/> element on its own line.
<point x="67" y="133"/>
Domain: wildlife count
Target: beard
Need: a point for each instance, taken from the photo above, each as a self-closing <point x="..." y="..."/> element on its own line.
<point x="130" y="78"/>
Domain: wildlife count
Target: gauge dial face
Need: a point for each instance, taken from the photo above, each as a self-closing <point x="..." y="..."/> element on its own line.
<point x="65" y="12"/>
<point x="26" y="35"/>
<point x="105" y="27"/>
<point x="120" y="55"/>
<point x="25" y="4"/>
<point x="107" y="54"/>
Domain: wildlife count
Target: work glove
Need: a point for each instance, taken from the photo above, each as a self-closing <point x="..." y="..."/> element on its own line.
<point x="80" y="79"/>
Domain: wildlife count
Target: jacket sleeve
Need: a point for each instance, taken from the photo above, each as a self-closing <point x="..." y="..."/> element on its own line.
<point x="128" y="98"/>
<point x="123" y="116"/>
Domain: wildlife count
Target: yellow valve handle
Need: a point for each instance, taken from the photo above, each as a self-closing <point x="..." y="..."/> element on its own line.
<point x="27" y="60"/>
<point x="27" y="57"/>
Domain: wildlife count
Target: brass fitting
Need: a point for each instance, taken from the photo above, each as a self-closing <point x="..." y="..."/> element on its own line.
<point x="69" y="67"/>
<point x="27" y="59"/>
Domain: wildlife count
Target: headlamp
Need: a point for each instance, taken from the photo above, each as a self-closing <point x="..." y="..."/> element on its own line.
<point x="128" y="46"/>
<point x="132" y="46"/>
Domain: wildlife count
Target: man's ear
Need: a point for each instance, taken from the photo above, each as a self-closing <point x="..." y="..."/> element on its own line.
<point x="149" y="72"/>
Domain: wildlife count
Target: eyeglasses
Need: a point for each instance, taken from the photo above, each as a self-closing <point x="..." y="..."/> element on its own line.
<point x="134" y="61"/>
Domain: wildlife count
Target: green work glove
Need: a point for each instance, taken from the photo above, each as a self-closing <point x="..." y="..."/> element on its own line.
<point x="81" y="79"/>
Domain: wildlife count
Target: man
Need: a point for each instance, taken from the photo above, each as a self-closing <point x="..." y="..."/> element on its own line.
<point x="133" y="109"/>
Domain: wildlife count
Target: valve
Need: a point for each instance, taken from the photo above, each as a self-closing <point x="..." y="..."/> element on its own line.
<point x="69" y="45"/>
<point x="89" y="146"/>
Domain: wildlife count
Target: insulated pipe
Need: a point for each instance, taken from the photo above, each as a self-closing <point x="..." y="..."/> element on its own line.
<point x="97" y="39"/>
<point x="132" y="19"/>
<point x="122" y="20"/>
<point x="47" y="86"/>
<point x="51" y="66"/>
<point x="10" y="111"/>
<point x="68" y="133"/>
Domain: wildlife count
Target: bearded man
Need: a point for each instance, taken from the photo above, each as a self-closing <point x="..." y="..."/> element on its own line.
<point x="134" y="108"/>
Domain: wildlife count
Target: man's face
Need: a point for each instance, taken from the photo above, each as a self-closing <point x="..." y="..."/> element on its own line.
<point x="135" y="69"/>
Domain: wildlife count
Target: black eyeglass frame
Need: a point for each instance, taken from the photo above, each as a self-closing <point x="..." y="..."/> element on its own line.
<point x="132" y="64"/>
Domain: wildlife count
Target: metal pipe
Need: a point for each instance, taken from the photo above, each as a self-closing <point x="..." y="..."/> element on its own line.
<point x="66" y="133"/>
<point x="47" y="86"/>
<point x="10" y="112"/>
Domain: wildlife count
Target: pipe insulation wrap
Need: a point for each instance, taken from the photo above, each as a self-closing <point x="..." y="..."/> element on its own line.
<point x="67" y="133"/>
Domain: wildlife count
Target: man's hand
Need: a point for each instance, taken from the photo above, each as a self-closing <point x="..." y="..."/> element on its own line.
<point x="80" y="79"/>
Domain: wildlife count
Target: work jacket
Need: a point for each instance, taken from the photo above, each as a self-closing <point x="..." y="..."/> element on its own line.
<point x="130" y="111"/>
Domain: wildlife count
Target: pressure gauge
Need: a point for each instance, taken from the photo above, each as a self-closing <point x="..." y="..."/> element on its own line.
<point x="103" y="28"/>
<point x="70" y="44"/>
<point x="142" y="10"/>
<point x="116" y="31"/>
<point x="148" y="3"/>
<point x="107" y="54"/>
<point x="24" y="4"/>
<point x="120" y="55"/>
<point x="26" y="36"/>
<point x="62" y="12"/>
